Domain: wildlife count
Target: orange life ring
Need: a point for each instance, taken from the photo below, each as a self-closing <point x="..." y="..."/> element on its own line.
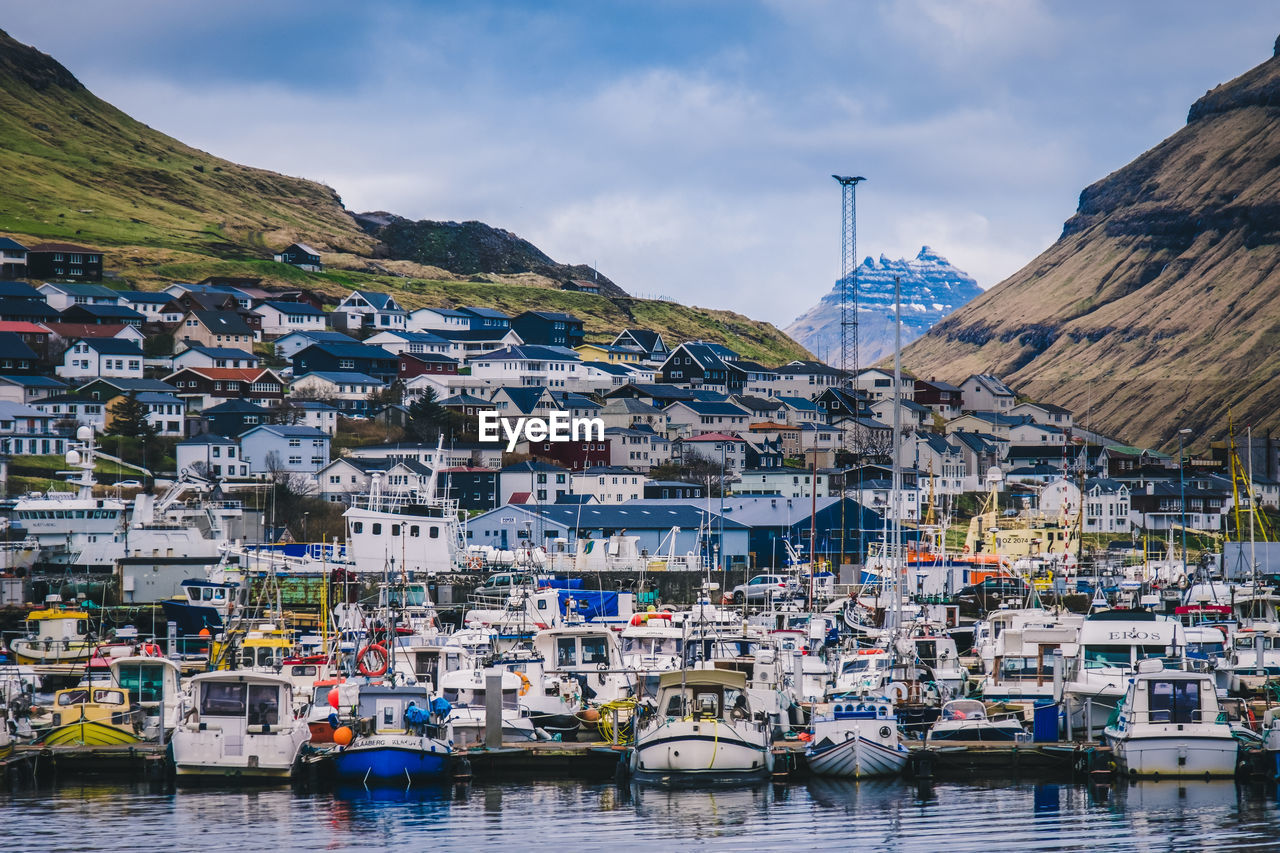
<point x="524" y="682"/>
<point x="377" y="651"/>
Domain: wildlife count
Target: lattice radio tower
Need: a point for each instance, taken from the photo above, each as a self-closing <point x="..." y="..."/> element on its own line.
<point x="848" y="278"/>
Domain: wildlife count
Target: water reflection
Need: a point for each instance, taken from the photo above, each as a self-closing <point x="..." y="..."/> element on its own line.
<point x="824" y="814"/>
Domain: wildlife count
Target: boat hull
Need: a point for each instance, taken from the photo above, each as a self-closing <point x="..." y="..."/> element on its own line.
<point x="1174" y="755"/>
<point x="89" y="733"/>
<point x="701" y="753"/>
<point x="39" y="652"/>
<point x="857" y="758"/>
<point x="205" y="755"/>
<point x="394" y="758"/>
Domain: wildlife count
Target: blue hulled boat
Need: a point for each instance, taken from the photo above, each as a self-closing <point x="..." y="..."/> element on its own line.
<point x="400" y="738"/>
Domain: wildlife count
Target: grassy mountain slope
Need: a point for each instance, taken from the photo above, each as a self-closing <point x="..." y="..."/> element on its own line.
<point x="77" y="169"/>
<point x="1155" y="309"/>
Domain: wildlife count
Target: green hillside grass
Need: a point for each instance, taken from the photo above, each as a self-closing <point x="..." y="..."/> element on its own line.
<point x="77" y="169"/>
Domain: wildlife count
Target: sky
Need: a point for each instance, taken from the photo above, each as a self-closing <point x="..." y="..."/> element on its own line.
<point x="683" y="147"/>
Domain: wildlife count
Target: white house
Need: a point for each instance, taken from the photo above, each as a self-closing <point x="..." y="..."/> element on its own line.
<point x="984" y="392"/>
<point x="631" y="448"/>
<point x="716" y="447"/>
<point x="548" y="367"/>
<point x="62" y="296"/>
<point x="400" y="341"/>
<point x="72" y="407"/>
<point x="787" y="482"/>
<point x="165" y="412"/>
<point x="439" y="319"/>
<point x="151" y="305"/>
<point x="349" y="392"/>
<point x="1106" y="503"/>
<point x="211" y="455"/>
<point x="1045" y="414"/>
<point x="804" y="379"/>
<point x="609" y="484"/>
<point x="878" y="384"/>
<point x="347" y="476"/>
<point x="314" y="413"/>
<point x="271" y="448"/>
<point x="694" y="416"/>
<point x="26" y="431"/>
<point x="295" y="342"/>
<point x="367" y="308"/>
<point x="282" y="318"/>
<point x="93" y="358"/>
<point x="202" y="356"/>
<point x="532" y="482"/>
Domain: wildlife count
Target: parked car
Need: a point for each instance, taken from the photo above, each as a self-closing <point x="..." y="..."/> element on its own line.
<point x="129" y="484"/>
<point x="762" y="588"/>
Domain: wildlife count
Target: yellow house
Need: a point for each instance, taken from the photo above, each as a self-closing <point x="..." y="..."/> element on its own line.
<point x="609" y="353"/>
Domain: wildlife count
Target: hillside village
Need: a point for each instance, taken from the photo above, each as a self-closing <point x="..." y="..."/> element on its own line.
<point x="251" y="384"/>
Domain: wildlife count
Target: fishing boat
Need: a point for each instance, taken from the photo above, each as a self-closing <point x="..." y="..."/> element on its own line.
<point x="401" y="737"/>
<point x="703" y="732"/>
<point x="857" y="737"/>
<point x="1169" y="725"/>
<point x="153" y="683"/>
<point x="241" y="728"/>
<point x="93" y="716"/>
<point x="54" y="636"/>
<point x="967" y="720"/>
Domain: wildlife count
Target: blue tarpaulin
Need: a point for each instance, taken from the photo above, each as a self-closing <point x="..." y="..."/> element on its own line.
<point x="561" y="583"/>
<point x="589" y="604"/>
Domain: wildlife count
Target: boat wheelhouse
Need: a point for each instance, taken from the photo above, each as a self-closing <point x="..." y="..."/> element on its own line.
<point x="241" y="728"/>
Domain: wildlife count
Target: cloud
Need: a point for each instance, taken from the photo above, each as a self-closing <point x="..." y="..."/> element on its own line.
<point x="685" y="148"/>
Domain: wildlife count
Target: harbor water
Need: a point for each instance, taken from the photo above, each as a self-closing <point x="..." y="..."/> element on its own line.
<point x="569" y="816"/>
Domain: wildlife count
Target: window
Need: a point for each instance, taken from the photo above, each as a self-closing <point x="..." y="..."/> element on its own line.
<point x="295" y="460"/>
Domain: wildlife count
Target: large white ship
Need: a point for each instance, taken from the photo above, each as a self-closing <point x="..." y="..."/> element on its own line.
<point x="81" y="530"/>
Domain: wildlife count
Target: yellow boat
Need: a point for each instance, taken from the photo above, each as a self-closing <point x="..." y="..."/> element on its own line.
<point x="54" y="636"/>
<point x="93" y="716"/>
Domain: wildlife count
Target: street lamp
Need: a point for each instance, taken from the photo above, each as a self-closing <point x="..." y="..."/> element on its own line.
<point x="305" y="517"/>
<point x="1182" y="489"/>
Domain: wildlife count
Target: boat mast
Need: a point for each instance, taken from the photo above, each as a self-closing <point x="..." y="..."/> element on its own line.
<point x="895" y="500"/>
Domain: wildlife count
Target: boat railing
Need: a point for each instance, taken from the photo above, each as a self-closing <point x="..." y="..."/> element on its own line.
<point x="394" y="502"/>
<point x="1164" y="716"/>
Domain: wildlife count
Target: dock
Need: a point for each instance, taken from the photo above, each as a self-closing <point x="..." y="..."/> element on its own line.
<point x="584" y="761"/>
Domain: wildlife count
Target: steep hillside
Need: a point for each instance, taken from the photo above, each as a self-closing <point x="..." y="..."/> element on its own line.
<point x="75" y="168"/>
<point x="470" y="248"/>
<point x="1155" y="309"/>
<point x="931" y="289"/>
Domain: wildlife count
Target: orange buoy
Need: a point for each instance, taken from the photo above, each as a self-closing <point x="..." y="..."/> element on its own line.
<point x="204" y="632"/>
<point x="590" y="715"/>
<point x="342" y="735"/>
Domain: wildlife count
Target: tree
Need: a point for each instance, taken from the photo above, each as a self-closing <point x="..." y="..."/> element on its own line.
<point x="427" y="418"/>
<point x="129" y="418"/>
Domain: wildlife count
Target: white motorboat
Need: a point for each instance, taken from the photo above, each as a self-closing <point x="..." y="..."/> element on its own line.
<point x="1111" y="644"/>
<point x="857" y="737"/>
<point x="1252" y="660"/>
<point x="241" y="727"/>
<point x="466" y="690"/>
<point x="967" y="720"/>
<point x="703" y="732"/>
<point x="1169" y="726"/>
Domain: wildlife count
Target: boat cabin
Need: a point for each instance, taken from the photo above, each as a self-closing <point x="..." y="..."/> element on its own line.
<point x="149" y="679"/>
<point x="1169" y="697"/>
<point x="576" y="648"/>
<point x="58" y="626"/>
<point x="385" y="705"/>
<point x="252" y="703"/>
<point x="1120" y="638"/>
<point x="703" y="694"/>
<point x="108" y="705"/>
